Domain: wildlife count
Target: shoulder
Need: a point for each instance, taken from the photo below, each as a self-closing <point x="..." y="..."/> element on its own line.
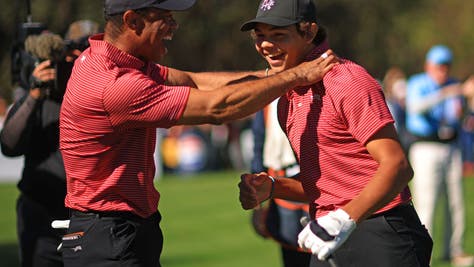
<point x="347" y="72"/>
<point x="349" y="77"/>
<point x="418" y="79"/>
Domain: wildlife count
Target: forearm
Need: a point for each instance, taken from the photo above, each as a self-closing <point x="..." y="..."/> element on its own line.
<point x="236" y="101"/>
<point x="14" y="132"/>
<point x="206" y="81"/>
<point x="424" y="104"/>
<point x="289" y="189"/>
<point x="211" y="80"/>
<point x="387" y="183"/>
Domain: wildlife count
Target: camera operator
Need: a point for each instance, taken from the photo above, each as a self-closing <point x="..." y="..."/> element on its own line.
<point x="31" y="129"/>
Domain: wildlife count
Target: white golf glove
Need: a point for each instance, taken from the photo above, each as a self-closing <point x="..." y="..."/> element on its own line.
<point x="326" y="234"/>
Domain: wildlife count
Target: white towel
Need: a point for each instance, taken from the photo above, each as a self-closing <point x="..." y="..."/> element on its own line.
<point x="277" y="151"/>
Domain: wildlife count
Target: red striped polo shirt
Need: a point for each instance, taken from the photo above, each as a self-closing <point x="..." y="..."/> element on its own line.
<point x="112" y="106"/>
<point x="328" y="125"/>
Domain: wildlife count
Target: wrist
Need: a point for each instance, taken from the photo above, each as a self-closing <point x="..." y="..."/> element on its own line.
<point x="342" y="214"/>
<point x="272" y="188"/>
<point x="35" y="93"/>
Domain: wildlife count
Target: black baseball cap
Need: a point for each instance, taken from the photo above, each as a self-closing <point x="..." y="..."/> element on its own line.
<point x="113" y="7"/>
<point x="282" y="13"/>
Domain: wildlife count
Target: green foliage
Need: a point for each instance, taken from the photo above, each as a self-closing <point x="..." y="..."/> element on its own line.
<point x="204" y="225"/>
<point x="376" y="34"/>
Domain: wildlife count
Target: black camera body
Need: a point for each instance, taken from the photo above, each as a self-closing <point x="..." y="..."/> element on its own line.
<point x="52" y="89"/>
<point x="38" y="48"/>
<point x="19" y="57"/>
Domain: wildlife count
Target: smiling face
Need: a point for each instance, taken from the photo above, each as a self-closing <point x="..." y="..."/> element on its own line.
<point x="141" y="33"/>
<point x="283" y="47"/>
<point x="158" y="26"/>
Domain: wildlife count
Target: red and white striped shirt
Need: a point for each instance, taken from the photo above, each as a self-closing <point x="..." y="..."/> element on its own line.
<point x="112" y="106"/>
<point x="328" y="125"/>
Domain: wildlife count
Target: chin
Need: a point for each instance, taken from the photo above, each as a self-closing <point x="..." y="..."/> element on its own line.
<point x="160" y="55"/>
<point x="278" y="68"/>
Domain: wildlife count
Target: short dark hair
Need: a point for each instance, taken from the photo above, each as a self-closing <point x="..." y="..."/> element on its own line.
<point x="321" y="35"/>
<point x="114" y="23"/>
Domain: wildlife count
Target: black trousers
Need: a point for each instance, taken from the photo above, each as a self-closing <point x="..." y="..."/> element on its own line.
<point x="395" y="238"/>
<point x="37" y="241"/>
<point x="294" y="258"/>
<point x="112" y="239"/>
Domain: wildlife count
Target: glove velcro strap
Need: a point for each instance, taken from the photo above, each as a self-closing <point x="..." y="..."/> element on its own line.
<point x="320" y="232"/>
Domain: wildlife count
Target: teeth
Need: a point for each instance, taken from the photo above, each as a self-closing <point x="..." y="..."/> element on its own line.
<point x="274" y="55"/>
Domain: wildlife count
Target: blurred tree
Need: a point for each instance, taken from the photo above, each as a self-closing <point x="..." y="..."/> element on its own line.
<point x="376" y="34"/>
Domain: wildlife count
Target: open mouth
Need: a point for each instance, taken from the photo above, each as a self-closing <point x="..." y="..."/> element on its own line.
<point x="168" y="37"/>
<point x="276" y="59"/>
<point x="279" y="56"/>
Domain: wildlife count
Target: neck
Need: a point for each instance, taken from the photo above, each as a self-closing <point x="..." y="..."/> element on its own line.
<point x="125" y="42"/>
<point x="317" y="50"/>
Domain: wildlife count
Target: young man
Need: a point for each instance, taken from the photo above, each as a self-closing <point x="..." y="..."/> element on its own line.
<point x="116" y="98"/>
<point x="353" y="170"/>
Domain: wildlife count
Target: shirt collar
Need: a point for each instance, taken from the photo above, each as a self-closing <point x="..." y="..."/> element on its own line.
<point x="315" y="53"/>
<point x="119" y="57"/>
<point x="318" y="51"/>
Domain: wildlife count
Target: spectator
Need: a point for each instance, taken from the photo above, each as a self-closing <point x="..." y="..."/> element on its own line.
<point x="434" y="112"/>
<point x="279" y="219"/>
<point x="116" y="98"/>
<point x="467" y="131"/>
<point x="77" y="35"/>
<point x="3" y="110"/>
<point x="394" y="86"/>
<point x="31" y="129"/>
<point x="353" y="170"/>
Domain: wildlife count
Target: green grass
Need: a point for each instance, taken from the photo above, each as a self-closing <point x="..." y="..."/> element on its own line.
<point x="204" y="224"/>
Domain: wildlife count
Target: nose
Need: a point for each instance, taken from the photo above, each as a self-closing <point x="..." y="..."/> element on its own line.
<point x="172" y="23"/>
<point x="266" y="43"/>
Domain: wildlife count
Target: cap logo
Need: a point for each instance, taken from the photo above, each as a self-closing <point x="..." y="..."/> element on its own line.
<point x="267" y="5"/>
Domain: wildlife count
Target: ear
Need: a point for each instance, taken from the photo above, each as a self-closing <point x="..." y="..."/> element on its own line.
<point x="311" y="32"/>
<point x="133" y="21"/>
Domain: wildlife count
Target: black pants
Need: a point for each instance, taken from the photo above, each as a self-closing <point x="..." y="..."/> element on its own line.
<point x="37" y="241"/>
<point x="396" y="238"/>
<point x="112" y="239"/>
<point x="294" y="258"/>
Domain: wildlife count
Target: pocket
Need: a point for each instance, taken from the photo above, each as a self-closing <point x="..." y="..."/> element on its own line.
<point x="73" y="243"/>
<point x="413" y="246"/>
<point x="123" y="233"/>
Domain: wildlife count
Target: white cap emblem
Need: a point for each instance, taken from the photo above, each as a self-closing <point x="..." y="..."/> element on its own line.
<point x="267" y="4"/>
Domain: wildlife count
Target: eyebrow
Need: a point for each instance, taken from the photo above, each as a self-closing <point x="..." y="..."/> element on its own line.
<point x="272" y="27"/>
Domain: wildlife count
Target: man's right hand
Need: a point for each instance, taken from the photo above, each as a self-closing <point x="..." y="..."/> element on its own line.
<point x="254" y="189"/>
<point x="42" y="73"/>
<point x="313" y="71"/>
